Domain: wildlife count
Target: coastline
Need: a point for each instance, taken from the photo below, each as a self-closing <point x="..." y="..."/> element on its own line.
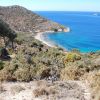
<point x="41" y="36"/>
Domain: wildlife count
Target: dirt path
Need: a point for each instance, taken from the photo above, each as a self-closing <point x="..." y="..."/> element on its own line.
<point x="66" y="90"/>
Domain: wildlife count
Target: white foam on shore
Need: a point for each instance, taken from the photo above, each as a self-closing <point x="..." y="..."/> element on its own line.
<point x="41" y="37"/>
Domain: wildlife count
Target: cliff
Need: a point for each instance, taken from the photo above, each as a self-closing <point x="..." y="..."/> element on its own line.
<point x="23" y="20"/>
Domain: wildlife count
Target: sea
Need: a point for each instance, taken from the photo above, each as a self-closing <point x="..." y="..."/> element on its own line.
<point x="84" y="32"/>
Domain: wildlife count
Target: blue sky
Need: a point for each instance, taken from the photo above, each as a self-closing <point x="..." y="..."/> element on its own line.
<point x="55" y="5"/>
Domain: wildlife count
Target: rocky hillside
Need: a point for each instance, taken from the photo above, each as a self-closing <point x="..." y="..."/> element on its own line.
<point x="21" y="19"/>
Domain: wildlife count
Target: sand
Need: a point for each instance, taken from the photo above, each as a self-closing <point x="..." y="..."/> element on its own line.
<point x="41" y="37"/>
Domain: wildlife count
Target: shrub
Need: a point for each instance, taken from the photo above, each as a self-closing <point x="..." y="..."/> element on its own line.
<point x="75" y="70"/>
<point x="5" y="75"/>
<point x="98" y="52"/>
<point x="19" y="41"/>
<point x="36" y="72"/>
<point x="71" y="73"/>
<point x="1" y="65"/>
<point x="44" y="89"/>
<point x="6" y="31"/>
<point x="71" y="57"/>
<point x="55" y="30"/>
<point x="75" y="50"/>
<point x="36" y="43"/>
<point x="22" y="74"/>
<point x="93" y="79"/>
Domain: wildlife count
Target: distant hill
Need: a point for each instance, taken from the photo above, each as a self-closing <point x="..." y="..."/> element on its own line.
<point x="23" y="20"/>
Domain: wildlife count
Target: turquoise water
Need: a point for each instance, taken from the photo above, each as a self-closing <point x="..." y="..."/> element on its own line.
<point x="85" y="30"/>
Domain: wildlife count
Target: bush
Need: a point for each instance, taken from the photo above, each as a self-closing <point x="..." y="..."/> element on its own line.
<point x="75" y="50"/>
<point x="37" y="71"/>
<point x="19" y="41"/>
<point x="71" y="57"/>
<point x="5" y="75"/>
<point x="93" y="79"/>
<point x="44" y="89"/>
<point x="36" y="43"/>
<point x="1" y="65"/>
<point x="22" y="74"/>
<point x="71" y="72"/>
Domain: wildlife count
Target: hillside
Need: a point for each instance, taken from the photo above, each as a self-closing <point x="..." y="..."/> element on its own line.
<point x="33" y="60"/>
<point x="21" y="19"/>
<point x="40" y="72"/>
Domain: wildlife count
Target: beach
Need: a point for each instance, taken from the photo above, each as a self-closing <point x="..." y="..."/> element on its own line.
<point x="41" y="36"/>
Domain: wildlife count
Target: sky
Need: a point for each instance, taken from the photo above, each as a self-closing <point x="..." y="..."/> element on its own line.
<point x="55" y="5"/>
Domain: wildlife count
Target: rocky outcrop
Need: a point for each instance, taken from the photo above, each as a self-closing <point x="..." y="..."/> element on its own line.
<point x="23" y="20"/>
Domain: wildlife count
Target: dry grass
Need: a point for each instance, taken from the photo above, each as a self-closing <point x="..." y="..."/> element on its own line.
<point x="71" y="73"/>
<point x="44" y="89"/>
<point x="16" y="89"/>
<point x="93" y="79"/>
<point x="1" y="88"/>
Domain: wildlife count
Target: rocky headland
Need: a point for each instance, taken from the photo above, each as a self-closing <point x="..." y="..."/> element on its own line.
<point x="23" y="20"/>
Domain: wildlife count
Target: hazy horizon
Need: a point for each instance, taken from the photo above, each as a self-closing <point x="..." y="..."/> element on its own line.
<point x="55" y="5"/>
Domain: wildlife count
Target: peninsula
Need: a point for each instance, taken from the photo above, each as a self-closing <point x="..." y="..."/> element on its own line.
<point x="23" y="20"/>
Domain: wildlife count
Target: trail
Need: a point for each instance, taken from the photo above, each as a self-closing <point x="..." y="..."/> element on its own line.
<point x="67" y="90"/>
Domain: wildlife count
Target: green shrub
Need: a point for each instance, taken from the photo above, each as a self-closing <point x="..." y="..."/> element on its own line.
<point x="36" y="43"/>
<point x="1" y="65"/>
<point x="98" y="52"/>
<point x="37" y="71"/>
<point x="71" y="57"/>
<point x="19" y="41"/>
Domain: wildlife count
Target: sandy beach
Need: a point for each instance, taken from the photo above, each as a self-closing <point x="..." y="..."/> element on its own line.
<point x="41" y="36"/>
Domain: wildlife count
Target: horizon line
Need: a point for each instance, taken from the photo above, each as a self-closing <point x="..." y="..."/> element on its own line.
<point x="64" y="11"/>
<point x="53" y="10"/>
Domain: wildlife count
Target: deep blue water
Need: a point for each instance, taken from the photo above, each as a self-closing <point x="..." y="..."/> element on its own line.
<point x="85" y="30"/>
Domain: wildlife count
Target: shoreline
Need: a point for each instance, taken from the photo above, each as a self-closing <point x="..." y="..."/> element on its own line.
<point x="41" y="37"/>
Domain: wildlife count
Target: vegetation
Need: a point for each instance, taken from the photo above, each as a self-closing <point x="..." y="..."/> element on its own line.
<point x="1" y="65"/>
<point x="71" y="57"/>
<point x="34" y="61"/>
<point x="24" y="20"/>
<point x="7" y="32"/>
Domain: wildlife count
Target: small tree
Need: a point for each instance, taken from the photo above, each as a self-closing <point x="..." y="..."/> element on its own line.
<point x="12" y="35"/>
<point x="3" y="29"/>
<point x="6" y="31"/>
